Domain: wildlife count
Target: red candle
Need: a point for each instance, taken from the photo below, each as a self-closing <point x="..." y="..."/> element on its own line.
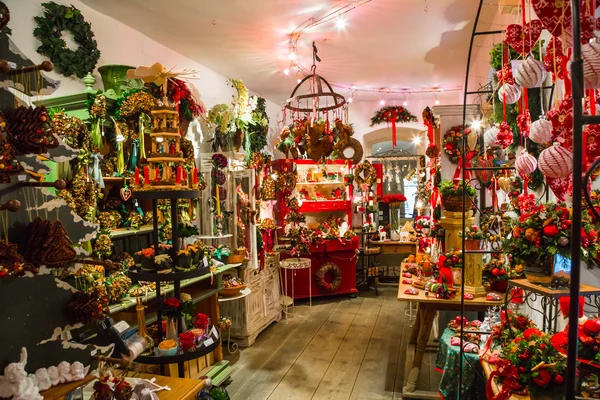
<point x="195" y="176"/>
<point x="157" y="175"/>
<point x="146" y="175"/>
<point x="185" y="175"/>
<point x="178" y="178"/>
<point x="137" y="176"/>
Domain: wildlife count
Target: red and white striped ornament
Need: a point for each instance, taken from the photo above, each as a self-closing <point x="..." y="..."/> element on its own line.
<point x="541" y="131"/>
<point x="556" y="162"/>
<point x="489" y="136"/>
<point x="590" y="52"/>
<point x="530" y="73"/>
<point x="513" y="93"/>
<point x="525" y="164"/>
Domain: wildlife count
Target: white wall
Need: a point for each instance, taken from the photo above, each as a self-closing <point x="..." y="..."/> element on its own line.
<point x="120" y="44"/>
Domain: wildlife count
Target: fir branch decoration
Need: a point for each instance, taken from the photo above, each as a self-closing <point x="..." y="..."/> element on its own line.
<point x="56" y="19"/>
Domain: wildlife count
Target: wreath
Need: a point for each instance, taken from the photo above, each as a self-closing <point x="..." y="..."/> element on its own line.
<point x="453" y="142"/>
<point x="334" y="272"/>
<point x="392" y="114"/>
<point x="369" y="171"/>
<point x="56" y="19"/>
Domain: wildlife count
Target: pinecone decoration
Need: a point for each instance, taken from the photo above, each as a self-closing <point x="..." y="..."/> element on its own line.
<point x="30" y="130"/>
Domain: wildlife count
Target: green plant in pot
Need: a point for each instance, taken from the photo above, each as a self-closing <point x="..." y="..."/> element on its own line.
<point x="452" y="194"/>
<point x="543" y="231"/>
<point x="473" y="237"/>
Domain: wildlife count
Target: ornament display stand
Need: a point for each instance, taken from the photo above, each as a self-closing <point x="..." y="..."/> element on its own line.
<point x="295" y="264"/>
<point x="472" y="262"/>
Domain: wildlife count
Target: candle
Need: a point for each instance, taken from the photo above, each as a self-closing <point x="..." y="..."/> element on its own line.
<point x="146" y="177"/>
<point x="185" y="175"/>
<point x="218" y="201"/>
<point x="178" y="177"/>
<point x="195" y="176"/>
<point x="157" y="175"/>
<point x="137" y="176"/>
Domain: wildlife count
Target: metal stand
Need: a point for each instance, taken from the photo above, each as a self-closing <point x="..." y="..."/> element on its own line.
<point x="295" y="264"/>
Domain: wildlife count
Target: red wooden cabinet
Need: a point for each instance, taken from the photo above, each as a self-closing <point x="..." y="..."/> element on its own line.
<point x="319" y="180"/>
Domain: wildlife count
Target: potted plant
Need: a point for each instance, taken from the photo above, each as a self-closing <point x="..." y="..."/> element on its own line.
<point x="187" y="341"/>
<point x="473" y="237"/>
<point x="184" y="260"/>
<point x="453" y="259"/>
<point x="394" y="202"/>
<point x="452" y="195"/>
<point x="145" y="258"/>
<point x="543" y="231"/>
<point x="496" y="273"/>
<point x="194" y="253"/>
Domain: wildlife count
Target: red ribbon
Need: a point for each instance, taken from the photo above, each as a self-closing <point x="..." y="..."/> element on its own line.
<point x="525" y="185"/>
<point x="566" y="73"/>
<point x="393" y="121"/>
<point x="468" y="159"/>
<point x="510" y="382"/>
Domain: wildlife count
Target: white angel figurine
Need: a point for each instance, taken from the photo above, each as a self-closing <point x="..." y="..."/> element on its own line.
<point x="43" y="379"/>
<point x="78" y="371"/>
<point x="16" y="383"/>
<point x="64" y="371"/>
<point x="54" y="375"/>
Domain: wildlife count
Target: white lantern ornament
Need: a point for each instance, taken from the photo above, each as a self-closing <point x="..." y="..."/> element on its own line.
<point x="489" y="136"/>
<point x="541" y="131"/>
<point x="513" y="93"/>
<point x="556" y="162"/>
<point x="525" y="164"/>
<point x="530" y="73"/>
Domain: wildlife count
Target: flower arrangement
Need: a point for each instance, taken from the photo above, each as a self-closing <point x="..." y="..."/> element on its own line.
<point x="588" y="341"/>
<point x="452" y="259"/>
<point x="472" y="233"/>
<point x="424" y="222"/>
<point x="392" y="114"/>
<point x="163" y="261"/>
<point x="201" y="321"/>
<point x="219" y="161"/>
<point x="438" y="231"/>
<point x="171" y="307"/>
<point x="394" y="200"/>
<point x="495" y="269"/>
<point x="180" y="94"/>
<point x="267" y="224"/>
<point x="544" y="230"/>
<point x="348" y="179"/>
<point x="452" y="142"/>
<point x="438" y="290"/>
<point x="187" y="341"/>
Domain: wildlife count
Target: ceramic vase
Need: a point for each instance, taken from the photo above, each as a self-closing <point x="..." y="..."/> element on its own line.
<point x="114" y="79"/>
<point x="171" y="333"/>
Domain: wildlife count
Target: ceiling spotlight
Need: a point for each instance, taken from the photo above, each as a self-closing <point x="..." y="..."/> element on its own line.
<point x="350" y="99"/>
<point x="292" y="55"/>
<point x="381" y="102"/>
<point x="437" y="102"/>
<point x="405" y="103"/>
<point x="286" y="71"/>
<point x="476" y="124"/>
<point x="340" y="23"/>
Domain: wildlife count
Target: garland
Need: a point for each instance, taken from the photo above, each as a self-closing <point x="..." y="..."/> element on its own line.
<point x="56" y="19"/>
<point x="453" y="142"/>
<point x="334" y="272"/>
<point x="370" y="174"/>
<point x="392" y="114"/>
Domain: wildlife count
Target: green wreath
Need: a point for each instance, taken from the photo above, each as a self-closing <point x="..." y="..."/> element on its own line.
<point x="56" y="19"/>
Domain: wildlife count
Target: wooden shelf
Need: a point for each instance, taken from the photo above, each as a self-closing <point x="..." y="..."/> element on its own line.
<point x="166" y="159"/>
<point x="181" y="356"/>
<point x="124" y="232"/>
<point x="115" y="179"/>
<point x="169" y="134"/>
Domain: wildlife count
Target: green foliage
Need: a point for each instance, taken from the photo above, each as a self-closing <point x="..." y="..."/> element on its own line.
<point x="447" y="188"/>
<point x="257" y="132"/>
<point x="56" y="19"/>
<point x="496" y="54"/>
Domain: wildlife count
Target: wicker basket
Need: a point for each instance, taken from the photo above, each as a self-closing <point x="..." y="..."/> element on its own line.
<point x="235" y="258"/>
<point x="453" y="203"/>
<point x="230" y="292"/>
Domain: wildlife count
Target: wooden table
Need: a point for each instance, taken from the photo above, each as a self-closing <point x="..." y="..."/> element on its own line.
<point x="61" y="391"/>
<point x="428" y="307"/>
<point x="550" y="299"/>
<point x="390" y="247"/>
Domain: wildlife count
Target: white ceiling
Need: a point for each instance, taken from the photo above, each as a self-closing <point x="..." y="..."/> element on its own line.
<point x="386" y="44"/>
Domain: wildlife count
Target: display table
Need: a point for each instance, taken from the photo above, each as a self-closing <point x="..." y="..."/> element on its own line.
<point x="550" y="299"/>
<point x="428" y="307"/>
<point x="61" y="391"/>
<point x="392" y="247"/>
<point x="447" y="362"/>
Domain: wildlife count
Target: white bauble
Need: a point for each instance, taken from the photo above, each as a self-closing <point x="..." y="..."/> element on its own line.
<point x="530" y="73"/>
<point x="489" y="136"/>
<point x="541" y="131"/>
<point x="556" y="162"/>
<point x="513" y="93"/>
<point x="525" y="164"/>
<point x="590" y="52"/>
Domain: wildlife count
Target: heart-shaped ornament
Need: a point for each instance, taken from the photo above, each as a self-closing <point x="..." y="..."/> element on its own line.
<point x="125" y="193"/>
<point x="559" y="186"/>
<point x="523" y="38"/>
<point x="504" y="184"/>
<point x="554" y="15"/>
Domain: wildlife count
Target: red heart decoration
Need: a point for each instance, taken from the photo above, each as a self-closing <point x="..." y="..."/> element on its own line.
<point x="522" y="39"/>
<point x="556" y="18"/>
<point x="125" y="193"/>
<point x="592" y="132"/>
<point x="553" y="58"/>
<point x="559" y="186"/>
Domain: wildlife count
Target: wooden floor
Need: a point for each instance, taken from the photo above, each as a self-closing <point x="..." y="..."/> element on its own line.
<point x="348" y="349"/>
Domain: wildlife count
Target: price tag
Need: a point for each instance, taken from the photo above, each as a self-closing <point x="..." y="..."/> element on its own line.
<point x="22" y="178"/>
<point x="214" y="332"/>
<point x="121" y="326"/>
<point x="205" y="261"/>
<point x="208" y="342"/>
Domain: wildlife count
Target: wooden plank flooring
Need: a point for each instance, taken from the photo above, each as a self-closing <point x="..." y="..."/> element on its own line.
<point x="347" y="349"/>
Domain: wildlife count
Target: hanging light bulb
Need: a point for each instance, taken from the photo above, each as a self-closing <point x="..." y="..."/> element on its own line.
<point x="476" y="124"/>
<point x="437" y="102"/>
<point x="158" y="139"/>
<point x="405" y="103"/>
<point x="292" y="55"/>
<point x="120" y="138"/>
<point x="350" y="99"/>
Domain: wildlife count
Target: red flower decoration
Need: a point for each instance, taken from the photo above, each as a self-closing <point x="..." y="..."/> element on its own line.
<point x="550" y="230"/>
<point x="524" y="122"/>
<point x="505" y="136"/>
<point x="187" y="340"/>
<point x="393" y="198"/>
<point x="201" y="321"/>
<point x="172" y="302"/>
<point x="528" y="333"/>
<point x="505" y="75"/>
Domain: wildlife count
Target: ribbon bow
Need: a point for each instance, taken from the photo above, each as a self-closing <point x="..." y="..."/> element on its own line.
<point x="133" y="158"/>
<point x="96" y="170"/>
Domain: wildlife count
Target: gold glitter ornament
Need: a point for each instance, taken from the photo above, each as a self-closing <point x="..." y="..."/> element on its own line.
<point x="139" y="102"/>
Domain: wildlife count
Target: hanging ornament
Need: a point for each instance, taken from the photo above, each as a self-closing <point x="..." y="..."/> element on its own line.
<point x="590" y="52"/>
<point x="541" y="131"/>
<point x="562" y="122"/>
<point x="553" y="59"/>
<point x="592" y="133"/>
<point x="530" y="73"/>
<point x="524" y="122"/>
<point x="523" y="38"/>
<point x="505" y="136"/>
<point x="525" y="164"/>
<point x="489" y="137"/>
<point x="556" y="162"/>
<point x="511" y="92"/>
<point x="504" y="183"/>
<point x="484" y="175"/>
<point x="559" y="187"/>
<point x="505" y="75"/>
<point x="472" y="138"/>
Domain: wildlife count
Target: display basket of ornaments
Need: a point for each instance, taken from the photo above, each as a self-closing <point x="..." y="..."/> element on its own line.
<point x="232" y="286"/>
